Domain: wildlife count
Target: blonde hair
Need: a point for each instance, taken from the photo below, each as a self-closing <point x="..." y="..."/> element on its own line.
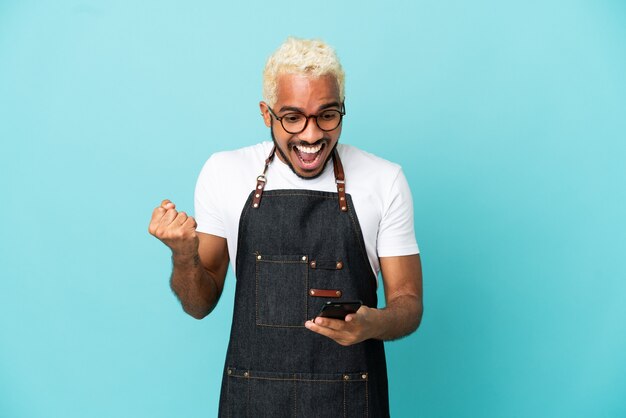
<point x="301" y="56"/>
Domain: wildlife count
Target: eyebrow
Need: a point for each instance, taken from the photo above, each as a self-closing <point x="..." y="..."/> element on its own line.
<point x="297" y="109"/>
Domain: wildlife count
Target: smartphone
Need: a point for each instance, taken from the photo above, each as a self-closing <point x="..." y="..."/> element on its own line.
<point x="339" y="310"/>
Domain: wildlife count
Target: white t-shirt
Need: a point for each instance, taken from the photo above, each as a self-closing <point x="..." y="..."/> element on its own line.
<point x="380" y="195"/>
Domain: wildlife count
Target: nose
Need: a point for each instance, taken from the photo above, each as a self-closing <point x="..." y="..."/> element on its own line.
<point x="312" y="133"/>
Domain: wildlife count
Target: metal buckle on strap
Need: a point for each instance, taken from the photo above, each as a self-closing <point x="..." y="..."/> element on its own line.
<point x="261" y="178"/>
<point x="340" y="181"/>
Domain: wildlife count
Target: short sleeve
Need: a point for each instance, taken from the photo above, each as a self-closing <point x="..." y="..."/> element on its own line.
<point x="396" y="232"/>
<point x="207" y="213"/>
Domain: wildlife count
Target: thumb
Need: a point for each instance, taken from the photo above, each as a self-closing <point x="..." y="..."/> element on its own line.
<point x="167" y="204"/>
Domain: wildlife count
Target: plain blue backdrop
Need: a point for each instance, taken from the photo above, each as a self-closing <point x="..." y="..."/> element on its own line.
<point x="509" y="118"/>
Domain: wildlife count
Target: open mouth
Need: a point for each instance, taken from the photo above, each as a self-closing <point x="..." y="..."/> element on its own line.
<point x="309" y="156"/>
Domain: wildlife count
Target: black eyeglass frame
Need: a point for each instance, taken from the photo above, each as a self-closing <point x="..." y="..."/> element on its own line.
<point x="341" y="112"/>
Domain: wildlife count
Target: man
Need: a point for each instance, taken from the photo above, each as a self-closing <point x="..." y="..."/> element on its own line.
<point x="315" y="224"/>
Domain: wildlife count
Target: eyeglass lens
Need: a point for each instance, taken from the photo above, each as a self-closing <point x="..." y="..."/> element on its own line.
<point x="296" y="122"/>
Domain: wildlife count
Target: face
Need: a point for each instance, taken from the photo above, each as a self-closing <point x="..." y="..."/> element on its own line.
<point x="307" y="152"/>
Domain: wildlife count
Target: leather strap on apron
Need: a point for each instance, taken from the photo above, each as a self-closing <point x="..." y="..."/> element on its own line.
<point x="261" y="180"/>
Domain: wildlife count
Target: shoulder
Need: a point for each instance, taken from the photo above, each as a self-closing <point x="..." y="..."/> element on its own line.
<point x="232" y="173"/>
<point x="241" y="157"/>
<point x="236" y="163"/>
<point x="363" y="166"/>
<point x="375" y="183"/>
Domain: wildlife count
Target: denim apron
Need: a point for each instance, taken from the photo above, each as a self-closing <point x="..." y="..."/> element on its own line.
<point x="298" y="249"/>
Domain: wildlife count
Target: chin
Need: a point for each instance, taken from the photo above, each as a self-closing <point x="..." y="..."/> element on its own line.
<point x="308" y="174"/>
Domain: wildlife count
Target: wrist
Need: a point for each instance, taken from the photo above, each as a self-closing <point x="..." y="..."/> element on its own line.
<point x="376" y="323"/>
<point x="185" y="259"/>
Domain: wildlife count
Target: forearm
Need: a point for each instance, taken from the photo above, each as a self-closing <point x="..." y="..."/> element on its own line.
<point x="399" y="318"/>
<point x="193" y="285"/>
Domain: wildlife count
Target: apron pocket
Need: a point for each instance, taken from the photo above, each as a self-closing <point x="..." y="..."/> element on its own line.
<point x="281" y="290"/>
<point x="270" y="394"/>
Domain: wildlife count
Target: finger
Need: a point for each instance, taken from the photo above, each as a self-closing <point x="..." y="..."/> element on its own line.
<point x="169" y="217"/>
<point x="168" y="204"/>
<point x="355" y="316"/>
<point x="157" y="215"/>
<point x="181" y="218"/>
<point x="327" y="332"/>
<point x="190" y="223"/>
<point x="334" y="324"/>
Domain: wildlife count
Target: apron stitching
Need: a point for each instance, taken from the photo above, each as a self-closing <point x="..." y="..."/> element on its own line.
<point x="295" y="397"/>
<point x="256" y="294"/>
<point x="228" y="396"/>
<point x="297" y="379"/>
<point x="344" y="399"/>
<point x="301" y="194"/>
<point x="367" y="402"/>
<point x="280" y="326"/>
<point x="306" y="295"/>
<point x="248" y="402"/>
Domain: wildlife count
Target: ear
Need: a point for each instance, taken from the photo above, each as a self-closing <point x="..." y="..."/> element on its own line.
<point x="267" y="118"/>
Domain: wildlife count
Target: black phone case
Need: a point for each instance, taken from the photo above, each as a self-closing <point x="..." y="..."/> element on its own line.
<point x="339" y="310"/>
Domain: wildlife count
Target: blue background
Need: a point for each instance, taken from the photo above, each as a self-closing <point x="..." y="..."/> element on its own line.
<point x="509" y="118"/>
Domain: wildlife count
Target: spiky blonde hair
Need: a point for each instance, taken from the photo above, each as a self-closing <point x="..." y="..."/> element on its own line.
<point x="301" y="56"/>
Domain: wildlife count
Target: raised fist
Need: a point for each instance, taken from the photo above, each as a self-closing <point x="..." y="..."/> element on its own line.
<point x="175" y="229"/>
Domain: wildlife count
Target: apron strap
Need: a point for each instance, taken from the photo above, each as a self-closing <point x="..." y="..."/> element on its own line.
<point x="340" y="180"/>
<point x="261" y="180"/>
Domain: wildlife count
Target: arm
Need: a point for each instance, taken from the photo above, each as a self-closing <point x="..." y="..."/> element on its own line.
<point x="402" y="278"/>
<point x="198" y="279"/>
<point x="200" y="261"/>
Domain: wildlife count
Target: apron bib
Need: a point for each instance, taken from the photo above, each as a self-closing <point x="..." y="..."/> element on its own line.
<point x="298" y="249"/>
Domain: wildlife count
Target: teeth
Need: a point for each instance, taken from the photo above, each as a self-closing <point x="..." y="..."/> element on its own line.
<point x="309" y="149"/>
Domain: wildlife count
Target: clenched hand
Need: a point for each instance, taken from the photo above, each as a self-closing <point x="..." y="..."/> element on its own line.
<point x="175" y="229"/>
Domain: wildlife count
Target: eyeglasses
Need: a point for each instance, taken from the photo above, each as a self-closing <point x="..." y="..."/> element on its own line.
<point x="296" y="122"/>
